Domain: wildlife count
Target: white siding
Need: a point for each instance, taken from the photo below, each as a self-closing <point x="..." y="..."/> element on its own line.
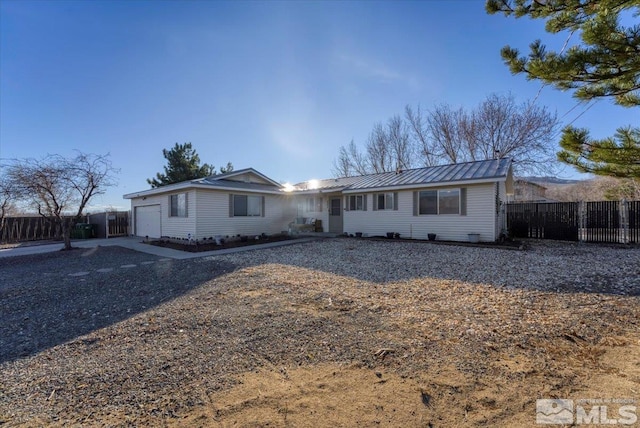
<point x="480" y="218"/>
<point x="249" y="177"/>
<point x="178" y="227"/>
<point x="214" y="219"/>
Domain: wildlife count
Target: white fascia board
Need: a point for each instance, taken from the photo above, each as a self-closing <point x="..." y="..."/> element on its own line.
<point x="159" y="190"/>
<point x="425" y="185"/>
<point x="188" y="186"/>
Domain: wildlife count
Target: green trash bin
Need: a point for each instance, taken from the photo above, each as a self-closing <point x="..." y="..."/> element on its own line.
<point x="83" y="231"/>
<point x="75" y="232"/>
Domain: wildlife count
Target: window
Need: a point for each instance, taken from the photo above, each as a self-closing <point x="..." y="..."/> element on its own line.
<point x="385" y="201"/>
<point x="178" y="205"/>
<point x="357" y="203"/>
<point x="246" y="206"/>
<point x="428" y="202"/>
<point x="451" y="201"/>
<point x="312" y="204"/>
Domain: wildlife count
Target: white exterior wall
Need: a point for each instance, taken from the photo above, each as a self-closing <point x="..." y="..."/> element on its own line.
<point x="178" y="227"/>
<point x="213" y="215"/>
<point x="480" y="218"/>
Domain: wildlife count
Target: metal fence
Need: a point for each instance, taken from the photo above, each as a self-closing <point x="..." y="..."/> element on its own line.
<point x="603" y="221"/>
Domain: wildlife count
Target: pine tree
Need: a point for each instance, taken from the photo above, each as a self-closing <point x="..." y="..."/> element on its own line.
<point x="605" y="64"/>
<point x="183" y="163"/>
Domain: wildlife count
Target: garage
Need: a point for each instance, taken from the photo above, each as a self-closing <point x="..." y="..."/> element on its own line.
<point x="148" y="221"/>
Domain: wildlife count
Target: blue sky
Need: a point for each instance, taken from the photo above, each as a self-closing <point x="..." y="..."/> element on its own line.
<point x="278" y="86"/>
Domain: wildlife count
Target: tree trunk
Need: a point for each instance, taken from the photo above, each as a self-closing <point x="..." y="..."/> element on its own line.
<point x="66" y="234"/>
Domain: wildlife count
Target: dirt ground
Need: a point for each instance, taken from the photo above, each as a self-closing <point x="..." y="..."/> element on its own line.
<point x="275" y="344"/>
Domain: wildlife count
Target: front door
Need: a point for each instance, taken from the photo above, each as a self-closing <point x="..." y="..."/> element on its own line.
<point x="335" y="215"/>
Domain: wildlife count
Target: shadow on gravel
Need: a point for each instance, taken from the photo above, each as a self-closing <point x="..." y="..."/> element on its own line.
<point x="50" y="299"/>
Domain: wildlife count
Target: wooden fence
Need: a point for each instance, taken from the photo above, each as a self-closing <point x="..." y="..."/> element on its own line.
<point x="110" y="224"/>
<point x="604" y="221"/>
<point x="38" y="228"/>
<point x="29" y="228"/>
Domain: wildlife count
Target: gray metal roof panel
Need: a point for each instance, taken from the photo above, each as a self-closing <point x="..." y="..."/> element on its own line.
<point x="478" y="170"/>
<point x="327" y="183"/>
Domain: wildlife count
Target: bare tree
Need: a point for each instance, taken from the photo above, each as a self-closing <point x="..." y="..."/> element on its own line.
<point x="350" y="162"/>
<point x="8" y="198"/>
<point x="423" y="144"/>
<point x="388" y="148"/>
<point x="499" y="127"/>
<point x="447" y="129"/>
<point x="402" y="149"/>
<point x="57" y="187"/>
<point x="378" y="150"/>
<point x="596" y="189"/>
<point x="342" y="164"/>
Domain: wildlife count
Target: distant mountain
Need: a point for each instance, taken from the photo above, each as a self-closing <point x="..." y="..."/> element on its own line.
<point x="549" y="180"/>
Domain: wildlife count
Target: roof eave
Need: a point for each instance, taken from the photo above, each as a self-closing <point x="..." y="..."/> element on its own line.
<point x="316" y="191"/>
<point x="183" y="186"/>
<point x="424" y="185"/>
<point x="226" y="176"/>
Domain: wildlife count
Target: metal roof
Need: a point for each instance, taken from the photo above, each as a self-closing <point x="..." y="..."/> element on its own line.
<point x="486" y="170"/>
<point x="468" y="171"/>
<point x="231" y="184"/>
<point x="327" y="183"/>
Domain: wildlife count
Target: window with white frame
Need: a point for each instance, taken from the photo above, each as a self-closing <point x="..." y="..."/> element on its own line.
<point x="434" y="202"/>
<point x="178" y="205"/>
<point x="246" y="206"/>
<point x="356" y="203"/>
<point x="385" y="201"/>
<point x="312" y="204"/>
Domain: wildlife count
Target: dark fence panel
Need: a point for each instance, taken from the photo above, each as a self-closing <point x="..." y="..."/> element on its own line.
<point x="550" y="220"/>
<point x="634" y="222"/>
<point x="602" y="221"/>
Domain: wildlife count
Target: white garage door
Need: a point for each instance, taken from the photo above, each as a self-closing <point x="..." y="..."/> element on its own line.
<point x="148" y="221"/>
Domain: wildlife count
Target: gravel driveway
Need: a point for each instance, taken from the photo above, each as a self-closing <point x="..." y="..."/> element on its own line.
<point x="547" y="265"/>
<point x="110" y="336"/>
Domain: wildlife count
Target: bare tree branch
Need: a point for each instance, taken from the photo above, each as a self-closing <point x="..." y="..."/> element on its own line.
<point x="57" y="187"/>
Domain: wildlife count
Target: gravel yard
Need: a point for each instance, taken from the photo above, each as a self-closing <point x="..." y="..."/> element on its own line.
<point x="338" y="332"/>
